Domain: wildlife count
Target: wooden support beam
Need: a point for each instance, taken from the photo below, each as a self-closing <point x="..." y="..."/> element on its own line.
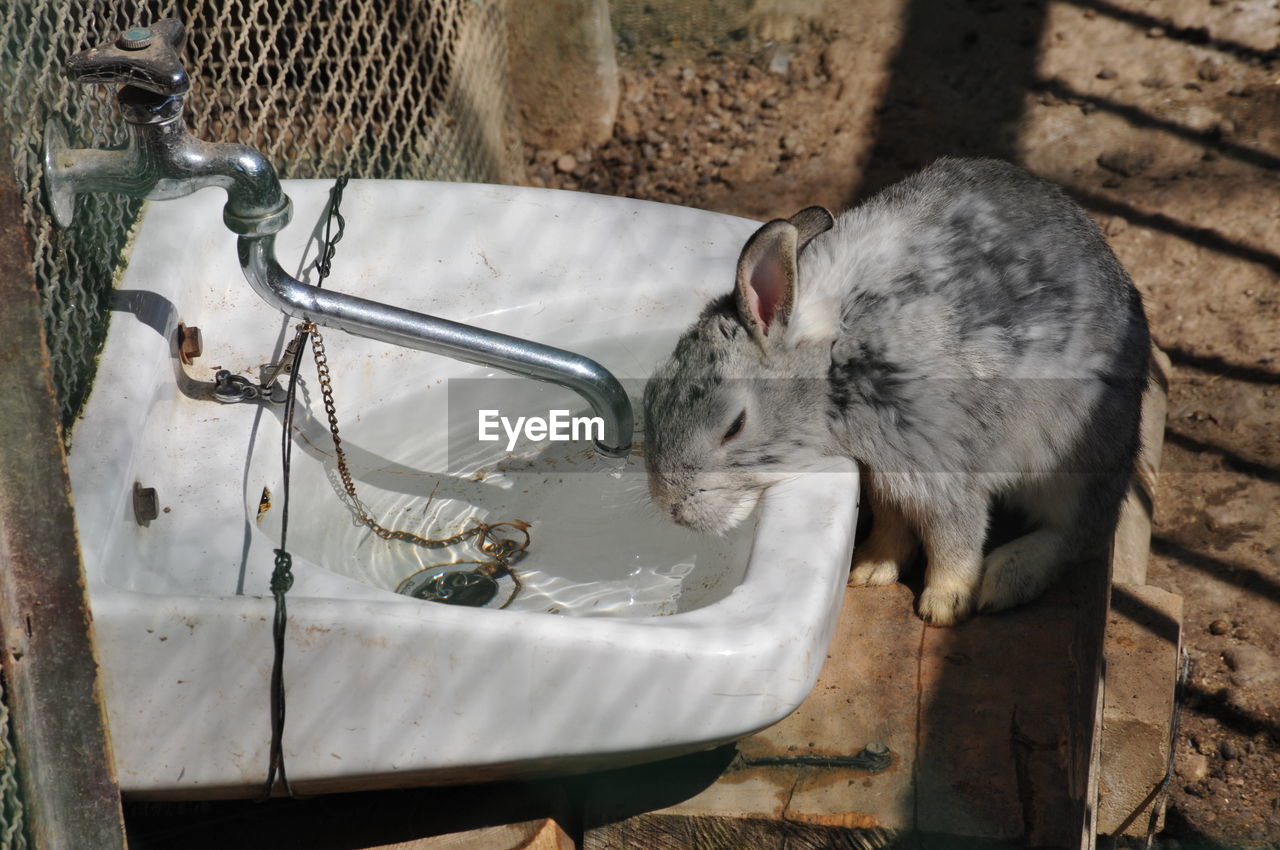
<point x="66" y="774"/>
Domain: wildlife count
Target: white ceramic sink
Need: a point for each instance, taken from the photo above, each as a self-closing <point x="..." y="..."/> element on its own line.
<point x="632" y="638"/>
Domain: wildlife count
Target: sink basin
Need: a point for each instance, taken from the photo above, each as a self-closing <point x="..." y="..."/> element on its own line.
<point x="628" y="639"/>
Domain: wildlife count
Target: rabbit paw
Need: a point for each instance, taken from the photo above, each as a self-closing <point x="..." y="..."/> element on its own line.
<point x="1001" y="584"/>
<point x="1019" y="571"/>
<point x="945" y="605"/>
<point x="869" y="572"/>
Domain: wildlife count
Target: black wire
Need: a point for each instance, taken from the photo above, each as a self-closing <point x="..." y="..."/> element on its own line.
<point x="282" y="574"/>
<point x="281" y="581"/>
<point x="324" y="265"/>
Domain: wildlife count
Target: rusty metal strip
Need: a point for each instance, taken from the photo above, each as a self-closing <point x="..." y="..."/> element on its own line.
<point x="66" y="773"/>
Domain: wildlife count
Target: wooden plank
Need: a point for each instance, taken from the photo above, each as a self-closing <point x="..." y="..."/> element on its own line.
<point x="682" y="832"/>
<point x="1133" y="534"/>
<point x="66" y="774"/>
<point x="1003" y="719"/>
<point x="543" y="834"/>
<point x="1143" y="650"/>
<point x="984" y="723"/>
<point x="866" y="693"/>
<point x="776" y="775"/>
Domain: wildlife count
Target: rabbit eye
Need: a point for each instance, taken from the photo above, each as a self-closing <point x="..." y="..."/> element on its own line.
<point x="734" y="428"/>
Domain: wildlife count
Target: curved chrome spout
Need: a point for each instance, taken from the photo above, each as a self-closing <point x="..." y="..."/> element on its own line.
<point x="398" y="326"/>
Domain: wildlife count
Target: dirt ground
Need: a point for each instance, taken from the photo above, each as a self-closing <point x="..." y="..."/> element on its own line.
<point x="1162" y="117"/>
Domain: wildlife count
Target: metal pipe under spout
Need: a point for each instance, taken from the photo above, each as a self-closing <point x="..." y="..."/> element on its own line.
<point x="397" y="326"/>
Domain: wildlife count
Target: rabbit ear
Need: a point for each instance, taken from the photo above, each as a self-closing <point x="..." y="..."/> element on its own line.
<point x="766" y="284"/>
<point x="767" y="270"/>
<point x="810" y="222"/>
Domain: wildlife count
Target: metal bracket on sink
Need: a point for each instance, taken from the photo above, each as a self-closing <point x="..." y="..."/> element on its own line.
<point x="233" y="389"/>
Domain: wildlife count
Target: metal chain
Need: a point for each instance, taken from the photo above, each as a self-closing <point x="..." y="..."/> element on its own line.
<point x="502" y="551"/>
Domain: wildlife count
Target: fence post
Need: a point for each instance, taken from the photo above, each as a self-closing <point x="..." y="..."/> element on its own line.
<point x="65" y="772"/>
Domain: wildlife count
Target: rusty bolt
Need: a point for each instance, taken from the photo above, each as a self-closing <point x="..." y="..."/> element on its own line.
<point x="190" y="345"/>
<point x="146" y="505"/>
<point x="875" y="756"/>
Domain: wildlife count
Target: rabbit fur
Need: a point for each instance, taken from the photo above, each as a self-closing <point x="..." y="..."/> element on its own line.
<point x="966" y="336"/>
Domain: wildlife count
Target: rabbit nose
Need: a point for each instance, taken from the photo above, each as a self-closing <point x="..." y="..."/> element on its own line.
<point x="677" y="510"/>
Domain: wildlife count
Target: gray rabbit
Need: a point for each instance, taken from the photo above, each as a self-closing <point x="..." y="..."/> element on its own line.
<point x="966" y="336"/>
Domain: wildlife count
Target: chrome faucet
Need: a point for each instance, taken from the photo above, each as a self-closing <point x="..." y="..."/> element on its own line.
<point x="161" y="160"/>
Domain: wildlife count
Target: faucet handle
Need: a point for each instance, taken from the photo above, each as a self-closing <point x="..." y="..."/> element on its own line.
<point x="146" y="57"/>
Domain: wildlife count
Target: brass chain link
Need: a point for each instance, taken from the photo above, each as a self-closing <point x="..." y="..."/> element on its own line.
<point x="501" y="550"/>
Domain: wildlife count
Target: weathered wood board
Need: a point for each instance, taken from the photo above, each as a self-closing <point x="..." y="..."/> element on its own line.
<point x="989" y="726"/>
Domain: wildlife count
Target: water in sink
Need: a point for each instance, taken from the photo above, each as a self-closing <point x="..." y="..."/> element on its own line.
<point x="598" y="546"/>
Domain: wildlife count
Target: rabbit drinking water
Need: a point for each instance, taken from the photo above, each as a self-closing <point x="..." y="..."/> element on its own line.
<point x="966" y="336"/>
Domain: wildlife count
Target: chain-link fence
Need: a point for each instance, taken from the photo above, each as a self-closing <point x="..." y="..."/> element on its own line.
<point x="12" y="835"/>
<point x="369" y="88"/>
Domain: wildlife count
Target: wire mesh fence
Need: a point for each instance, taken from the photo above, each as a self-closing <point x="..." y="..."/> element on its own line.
<point x="12" y="834"/>
<point x="368" y="88"/>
